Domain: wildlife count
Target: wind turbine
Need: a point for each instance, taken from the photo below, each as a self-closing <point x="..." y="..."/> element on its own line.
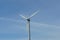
<point x="28" y="22"/>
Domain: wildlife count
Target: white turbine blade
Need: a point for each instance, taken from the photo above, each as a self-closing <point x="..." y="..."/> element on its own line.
<point x="34" y="14"/>
<point x="23" y="16"/>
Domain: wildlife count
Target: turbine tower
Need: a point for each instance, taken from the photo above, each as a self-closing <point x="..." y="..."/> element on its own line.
<point x="28" y="23"/>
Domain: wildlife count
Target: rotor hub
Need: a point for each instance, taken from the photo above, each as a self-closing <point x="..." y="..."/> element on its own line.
<point x="28" y="19"/>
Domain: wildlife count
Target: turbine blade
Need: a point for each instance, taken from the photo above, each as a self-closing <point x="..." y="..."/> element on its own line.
<point x="23" y="16"/>
<point x="34" y="14"/>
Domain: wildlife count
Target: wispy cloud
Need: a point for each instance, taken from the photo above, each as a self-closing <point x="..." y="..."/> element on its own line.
<point x="9" y="19"/>
<point x="37" y="24"/>
<point x="33" y="23"/>
<point x="40" y="29"/>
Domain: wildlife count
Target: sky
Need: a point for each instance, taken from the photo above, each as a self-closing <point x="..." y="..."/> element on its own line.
<point x="44" y="26"/>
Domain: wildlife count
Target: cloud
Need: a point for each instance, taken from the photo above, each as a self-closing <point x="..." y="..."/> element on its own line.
<point x="45" y="25"/>
<point x="8" y="19"/>
<point x="32" y="23"/>
<point x="35" y="26"/>
<point x="38" y="30"/>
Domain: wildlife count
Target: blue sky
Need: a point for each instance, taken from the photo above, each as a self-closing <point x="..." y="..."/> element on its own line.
<point x="44" y="26"/>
